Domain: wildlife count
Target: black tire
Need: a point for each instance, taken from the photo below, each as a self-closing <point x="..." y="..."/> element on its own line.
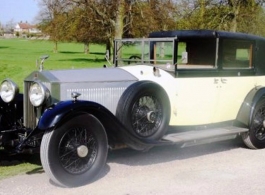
<point x="75" y="153"/>
<point x="255" y="137"/>
<point x="145" y="110"/>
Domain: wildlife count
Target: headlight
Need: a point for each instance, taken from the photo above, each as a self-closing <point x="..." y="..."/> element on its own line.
<point x="38" y="93"/>
<point x="8" y="90"/>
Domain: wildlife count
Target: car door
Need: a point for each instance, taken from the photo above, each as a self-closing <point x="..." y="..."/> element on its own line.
<point x="236" y="78"/>
<point x="197" y="92"/>
<point x="232" y="92"/>
<point x="196" y="100"/>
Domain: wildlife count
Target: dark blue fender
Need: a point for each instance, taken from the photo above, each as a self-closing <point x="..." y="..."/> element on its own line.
<point x="247" y="108"/>
<point x="58" y="114"/>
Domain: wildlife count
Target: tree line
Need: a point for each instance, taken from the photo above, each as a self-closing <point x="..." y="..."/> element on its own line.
<point x="101" y="21"/>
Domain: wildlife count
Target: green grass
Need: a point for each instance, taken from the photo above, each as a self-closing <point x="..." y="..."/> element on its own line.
<point x="11" y="165"/>
<point x="20" y="168"/>
<point x="18" y="57"/>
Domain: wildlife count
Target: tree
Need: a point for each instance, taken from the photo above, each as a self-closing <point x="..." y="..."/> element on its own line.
<point x="1" y="30"/>
<point x="230" y="15"/>
<point x="152" y="15"/>
<point x="9" y="26"/>
<point x="113" y="20"/>
<point x="100" y="21"/>
<point x="53" y="17"/>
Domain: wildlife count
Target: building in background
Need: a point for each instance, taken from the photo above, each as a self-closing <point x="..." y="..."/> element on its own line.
<point x="24" y="28"/>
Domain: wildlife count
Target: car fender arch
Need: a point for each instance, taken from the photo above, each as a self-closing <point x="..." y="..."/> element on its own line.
<point x="247" y="108"/>
<point x="59" y="113"/>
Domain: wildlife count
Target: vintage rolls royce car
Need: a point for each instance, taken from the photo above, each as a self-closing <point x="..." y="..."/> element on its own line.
<point x="176" y="87"/>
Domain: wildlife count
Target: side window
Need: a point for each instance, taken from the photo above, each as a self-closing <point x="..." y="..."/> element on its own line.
<point x="145" y="51"/>
<point x="196" y="54"/>
<point x="162" y="52"/>
<point x="237" y="54"/>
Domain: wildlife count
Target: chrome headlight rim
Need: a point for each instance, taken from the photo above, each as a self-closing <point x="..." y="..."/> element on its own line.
<point x="8" y="90"/>
<point x="38" y="94"/>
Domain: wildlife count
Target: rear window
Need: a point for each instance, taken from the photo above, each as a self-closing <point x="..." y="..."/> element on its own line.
<point x="237" y="54"/>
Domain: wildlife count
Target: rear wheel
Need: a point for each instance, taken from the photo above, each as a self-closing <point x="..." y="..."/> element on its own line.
<point x="75" y="153"/>
<point x="255" y="137"/>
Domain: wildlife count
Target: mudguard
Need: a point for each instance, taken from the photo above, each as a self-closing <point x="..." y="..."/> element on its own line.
<point x="56" y="115"/>
<point x="247" y="108"/>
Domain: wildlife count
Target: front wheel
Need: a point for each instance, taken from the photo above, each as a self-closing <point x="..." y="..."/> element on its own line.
<point x="75" y="153"/>
<point x="255" y="137"/>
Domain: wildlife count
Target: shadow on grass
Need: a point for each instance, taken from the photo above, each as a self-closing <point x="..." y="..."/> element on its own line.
<point x="11" y="160"/>
<point x="70" y="52"/>
<point x="74" y="52"/>
<point x="35" y="171"/>
<point x="84" y="60"/>
<point x="1" y="47"/>
<point x="98" y="53"/>
<point x="19" y="163"/>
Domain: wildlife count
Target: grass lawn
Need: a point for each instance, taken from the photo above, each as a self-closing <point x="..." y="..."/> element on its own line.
<point x="19" y="164"/>
<point x="18" y="59"/>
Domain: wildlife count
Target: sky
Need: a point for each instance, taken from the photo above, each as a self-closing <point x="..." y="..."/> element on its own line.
<point x="18" y="10"/>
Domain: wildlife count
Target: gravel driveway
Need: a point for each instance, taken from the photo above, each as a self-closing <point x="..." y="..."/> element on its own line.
<point x="220" y="168"/>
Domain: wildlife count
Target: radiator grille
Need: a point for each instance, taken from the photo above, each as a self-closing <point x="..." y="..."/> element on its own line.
<point x="29" y="111"/>
<point x="107" y="97"/>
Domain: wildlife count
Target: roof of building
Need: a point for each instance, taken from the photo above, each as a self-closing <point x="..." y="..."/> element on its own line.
<point x="25" y="25"/>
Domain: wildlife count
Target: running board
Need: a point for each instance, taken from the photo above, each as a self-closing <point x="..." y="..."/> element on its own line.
<point x="192" y="138"/>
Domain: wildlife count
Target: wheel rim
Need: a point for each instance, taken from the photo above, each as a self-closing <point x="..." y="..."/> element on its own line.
<point x="77" y="150"/>
<point x="146" y="116"/>
<point x="258" y="124"/>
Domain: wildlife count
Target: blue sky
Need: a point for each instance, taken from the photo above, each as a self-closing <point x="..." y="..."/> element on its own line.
<point x="18" y="10"/>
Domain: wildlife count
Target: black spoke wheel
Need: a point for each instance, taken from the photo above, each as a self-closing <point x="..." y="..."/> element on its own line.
<point x="75" y="153"/>
<point x="255" y="138"/>
<point x="144" y="109"/>
<point x="77" y="150"/>
<point x="146" y="115"/>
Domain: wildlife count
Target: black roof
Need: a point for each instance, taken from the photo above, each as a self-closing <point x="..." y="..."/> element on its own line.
<point x="204" y="33"/>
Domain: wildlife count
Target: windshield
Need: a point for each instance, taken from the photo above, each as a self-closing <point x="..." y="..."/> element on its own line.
<point x="149" y="51"/>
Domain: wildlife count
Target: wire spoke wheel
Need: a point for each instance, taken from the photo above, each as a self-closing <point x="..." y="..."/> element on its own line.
<point x="258" y="124"/>
<point x="77" y="150"/>
<point x="75" y="153"/>
<point x="146" y="116"/>
<point x="255" y="137"/>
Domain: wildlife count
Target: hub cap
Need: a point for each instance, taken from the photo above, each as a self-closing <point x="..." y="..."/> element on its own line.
<point x="82" y="151"/>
